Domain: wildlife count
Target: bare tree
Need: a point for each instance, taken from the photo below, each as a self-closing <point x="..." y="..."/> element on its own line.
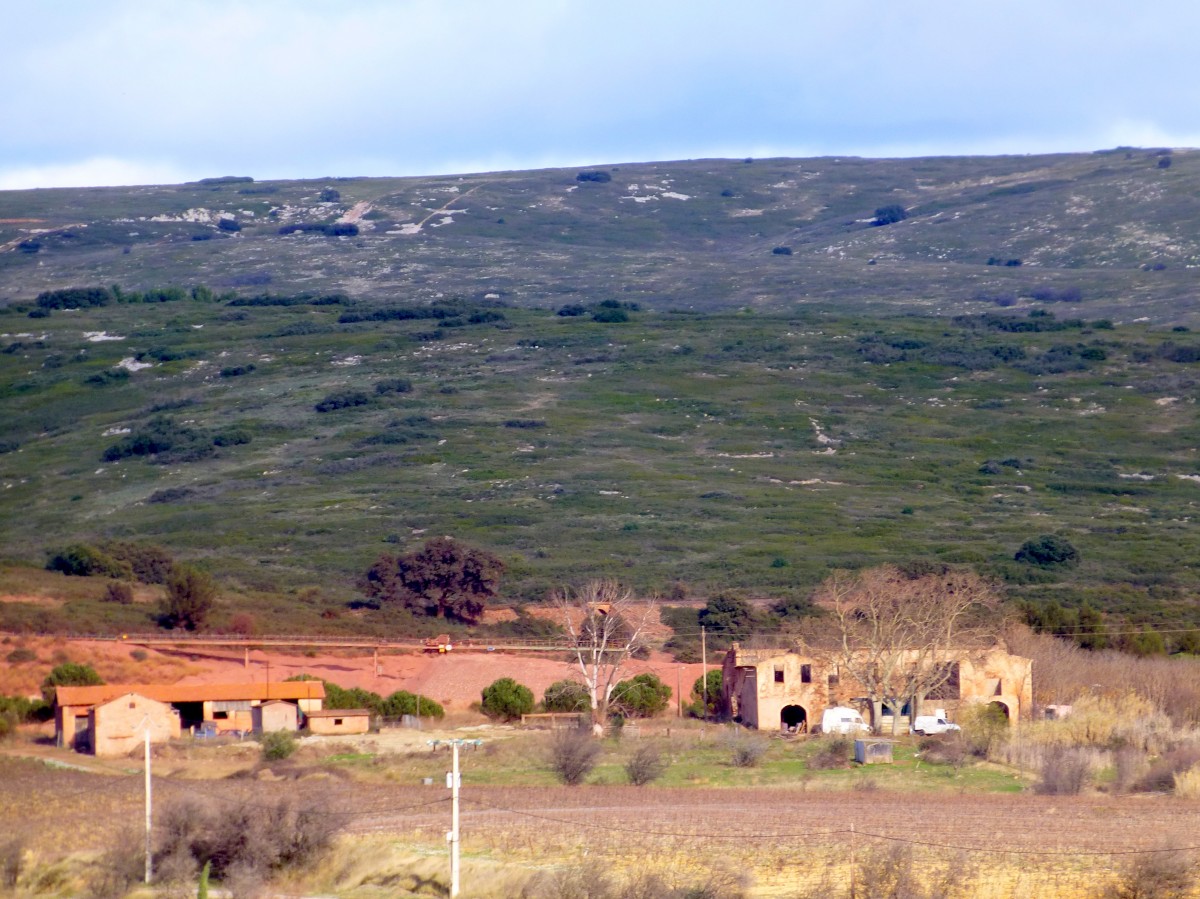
<point x="606" y="624"/>
<point x="901" y="635"/>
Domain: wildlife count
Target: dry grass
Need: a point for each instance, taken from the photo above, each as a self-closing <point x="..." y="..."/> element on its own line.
<point x="1187" y="783"/>
<point x="114" y="662"/>
<point x="790" y="843"/>
<point x="1067" y="674"/>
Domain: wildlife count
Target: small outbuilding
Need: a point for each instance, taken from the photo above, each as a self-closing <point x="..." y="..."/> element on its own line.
<point x="118" y="727"/>
<point x="330" y="722"/>
<point x="275" y="715"/>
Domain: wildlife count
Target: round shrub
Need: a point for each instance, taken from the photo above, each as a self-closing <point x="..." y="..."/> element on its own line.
<point x="507" y="700"/>
<point x="566" y="696"/>
<point x="277" y="745"/>
<point x="641" y="697"/>
<point x="1048" y="551"/>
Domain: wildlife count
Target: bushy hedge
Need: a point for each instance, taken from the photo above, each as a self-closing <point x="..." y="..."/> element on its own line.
<point x="394" y="705"/>
<point x="566" y="696"/>
<point x="167" y="441"/>
<point x="74" y="298"/>
<point x="507" y="700"/>
<point x="642" y="696"/>
<point x="342" y="399"/>
<point x="332" y="229"/>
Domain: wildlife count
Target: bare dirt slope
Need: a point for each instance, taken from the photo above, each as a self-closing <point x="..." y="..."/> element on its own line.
<point x="455" y="679"/>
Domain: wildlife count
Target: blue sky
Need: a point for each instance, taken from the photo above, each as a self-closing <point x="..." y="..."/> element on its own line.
<point x="138" y="91"/>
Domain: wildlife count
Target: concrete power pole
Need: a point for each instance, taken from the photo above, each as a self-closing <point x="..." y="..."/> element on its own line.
<point x="454" y="780"/>
<point x="704" y="663"/>
<point x="149" y="862"/>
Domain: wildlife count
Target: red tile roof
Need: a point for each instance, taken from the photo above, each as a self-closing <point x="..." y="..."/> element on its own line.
<point x="89" y="696"/>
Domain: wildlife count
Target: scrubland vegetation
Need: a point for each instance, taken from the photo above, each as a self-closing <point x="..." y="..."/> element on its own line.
<point x="690" y="455"/>
<point x="749" y="376"/>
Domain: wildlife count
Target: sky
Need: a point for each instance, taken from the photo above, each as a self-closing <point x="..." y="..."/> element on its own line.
<point x="106" y="92"/>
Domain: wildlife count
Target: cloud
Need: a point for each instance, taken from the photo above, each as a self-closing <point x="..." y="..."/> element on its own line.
<point x="286" y="89"/>
<point x="88" y="173"/>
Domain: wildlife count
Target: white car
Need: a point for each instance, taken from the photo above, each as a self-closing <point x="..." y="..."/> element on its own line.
<point x="842" y="720"/>
<point x="932" y="724"/>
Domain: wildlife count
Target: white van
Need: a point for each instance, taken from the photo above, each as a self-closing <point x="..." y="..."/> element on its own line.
<point x="841" y="720"/>
<point x="932" y="724"/>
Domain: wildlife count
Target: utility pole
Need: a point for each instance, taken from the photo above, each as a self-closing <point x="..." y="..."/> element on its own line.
<point x="678" y="691"/>
<point x="853" y="863"/>
<point x="149" y="862"/>
<point x="704" y="662"/>
<point x="453" y="781"/>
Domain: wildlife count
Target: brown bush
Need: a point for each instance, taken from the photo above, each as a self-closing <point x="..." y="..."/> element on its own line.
<point x="243" y="838"/>
<point x="12" y="855"/>
<point x="833" y="752"/>
<point x="1161" y="776"/>
<point x="646" y="765"/>
<point x="945" y="749"/>
<point x="1155" y="875"/>
<point x="573" y="754"/>
<point x="1065" y="772"/>
<point x="1064" y="673"/>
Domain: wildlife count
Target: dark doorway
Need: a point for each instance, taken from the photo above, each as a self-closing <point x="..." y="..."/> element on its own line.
<point x="793" y="720"/>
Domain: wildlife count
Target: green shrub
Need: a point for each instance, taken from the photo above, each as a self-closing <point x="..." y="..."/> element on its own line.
<point x="566" y="696"/>
<point x="1048" y="551"/>
<point x="69" y="674"/>
<point x="150" y="564"/>
<point x="403" y="703"/>
<point x="119" y="592"/>
<point x="710" y="686"/>
<point x="392" y="385"/>
<point x="507" y="700"/>
<point x="83" y="560"/>
<point x="278" y="745"/>
<point x="191" y="596"/>
<point x="643" y="696"/>
<point x="342" y="399"/>
<point x="890" y="214"/>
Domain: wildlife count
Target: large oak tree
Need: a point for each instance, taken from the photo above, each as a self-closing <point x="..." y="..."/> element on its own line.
<point x="443" y="578"/>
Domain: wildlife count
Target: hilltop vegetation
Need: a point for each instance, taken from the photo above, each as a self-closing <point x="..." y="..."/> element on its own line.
<point x="700" y="377"/>
<point x="683" y="453"/>
<point x="1114" y="231"/>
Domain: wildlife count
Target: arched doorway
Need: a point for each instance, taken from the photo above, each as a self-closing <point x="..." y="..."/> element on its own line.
<point x="999" y="708"/>
<point x="793" y="720"/>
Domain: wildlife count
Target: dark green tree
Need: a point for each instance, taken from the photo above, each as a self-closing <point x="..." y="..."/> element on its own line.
<point x="714" y="681"/>
<point x="1147" y="642"/>
<point x="191" y="595"/>
<point x="643" y="696"/>
<point x="890" y="214"/>
<point x="69" y="674"/>
<point x="1048" y="551"/>
<point x="566" y="696"/>
<point x="443" y="578"/>
<point x="729" y="615"/>
<point x="507" y="700"/>
<point x="83" y="560"/>
<point x="1091" y="633"/>
<point x="1189" y="642"/>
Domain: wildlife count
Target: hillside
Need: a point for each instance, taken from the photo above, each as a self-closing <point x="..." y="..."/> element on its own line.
<point x="616" y="381"/>
<point x="680" y="235"/>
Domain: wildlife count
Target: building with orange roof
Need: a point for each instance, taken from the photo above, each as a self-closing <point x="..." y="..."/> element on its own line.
<point x="228" y="707"/>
